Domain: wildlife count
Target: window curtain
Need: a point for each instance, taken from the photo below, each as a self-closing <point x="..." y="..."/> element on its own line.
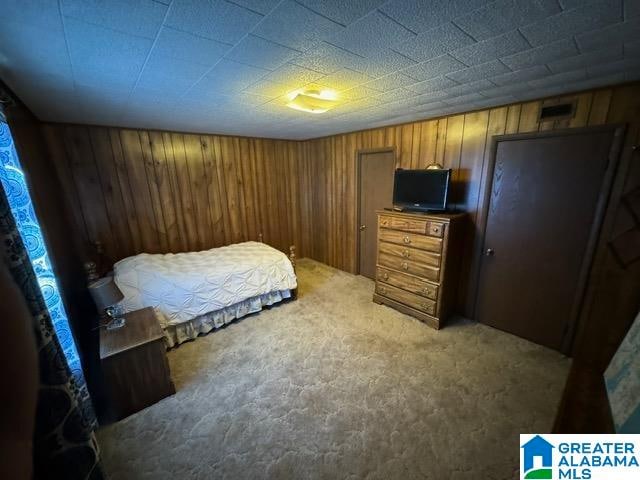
<point x="64" y="442"/>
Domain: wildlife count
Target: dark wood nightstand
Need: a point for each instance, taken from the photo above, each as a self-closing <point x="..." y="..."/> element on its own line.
<point x="134" y="363"/>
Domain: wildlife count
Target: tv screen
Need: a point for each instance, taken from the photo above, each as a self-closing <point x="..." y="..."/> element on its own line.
<point x="421" y="190"/>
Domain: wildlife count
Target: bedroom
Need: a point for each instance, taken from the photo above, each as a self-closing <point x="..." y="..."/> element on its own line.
<point x="237" y="181"/>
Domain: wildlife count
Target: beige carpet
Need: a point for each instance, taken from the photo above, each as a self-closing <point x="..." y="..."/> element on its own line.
<point x="334" y="386"/>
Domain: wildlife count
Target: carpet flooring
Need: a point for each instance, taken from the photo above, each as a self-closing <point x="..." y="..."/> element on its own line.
<point x="333" y="386"/>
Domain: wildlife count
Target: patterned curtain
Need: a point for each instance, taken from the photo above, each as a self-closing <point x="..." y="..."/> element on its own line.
<point x="64" y="443"/>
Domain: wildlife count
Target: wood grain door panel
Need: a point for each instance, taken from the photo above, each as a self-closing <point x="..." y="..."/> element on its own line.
<point x="542" y="207"/>
<point x="376" y="170"/>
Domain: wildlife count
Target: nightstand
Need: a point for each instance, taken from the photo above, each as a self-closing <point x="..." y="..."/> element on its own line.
<point x="134" y="364"/>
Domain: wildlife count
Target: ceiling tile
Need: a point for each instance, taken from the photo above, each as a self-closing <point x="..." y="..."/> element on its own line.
<point x="579" y="20"/>
<point x="295" y="26"/>
<point x="228" y="76"/>
<point x="489" y="69"/>
<point x="435" y="67"/>
<point x="391" y="82"/>
<point x="17" y="50"/>
<point x="476" y="86"/>
<point x="326" y="58"/>
<point x="544" y="54"/>
<point x="293" y="75"/>
<point x="269" y="89"/>
<point x="215" y="19"/>
<point x="259" y="6"/>
<point x="134" y="17"/>
<point x="434" y="42"/>
<point x="171" y="76"/>
<point x="433" y="85"/>
<point x="262" y="53"/>
<point x="103" y="55"/>
<point x="43" y="14"/>
<point x="381" y="63"/>
<point x="463" y="99"/>
<point x="345" y="79"/>
<point x="496" y="47"/>
<point x="420" y="15"/>
<point x="586" y="59"/>
<point x="612" y="35"/>
<point x="173" y="43"/>
<point x="559" y="78"/>
<point x="519" y="76"/>
<point x="505" y="15"/>
<point x="371" y="34"/>
<point x="340" y="11"/>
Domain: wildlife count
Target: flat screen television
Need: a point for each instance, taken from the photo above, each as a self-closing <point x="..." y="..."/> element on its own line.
<point x="421" y="190"/>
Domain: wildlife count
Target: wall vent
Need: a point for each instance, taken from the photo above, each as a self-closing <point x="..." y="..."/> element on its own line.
<point x="557" y="111"/>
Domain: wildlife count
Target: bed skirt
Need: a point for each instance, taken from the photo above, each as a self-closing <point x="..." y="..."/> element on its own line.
<point x="175" y="334"/>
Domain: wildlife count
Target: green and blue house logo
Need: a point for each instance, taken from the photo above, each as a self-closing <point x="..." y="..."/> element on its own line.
<point x="537" y="459"/>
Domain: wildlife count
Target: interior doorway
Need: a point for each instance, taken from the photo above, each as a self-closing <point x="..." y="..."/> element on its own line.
<point x="545" y="203"/>
<point x="375" y="192"/>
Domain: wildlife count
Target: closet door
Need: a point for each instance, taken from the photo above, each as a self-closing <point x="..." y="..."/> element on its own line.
<point x="543" y="216"/>
<point x="375" y="187"/>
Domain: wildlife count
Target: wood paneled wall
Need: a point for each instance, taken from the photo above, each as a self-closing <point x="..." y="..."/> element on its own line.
<point x="461" y="142"/>
<point x="148" y="191"/>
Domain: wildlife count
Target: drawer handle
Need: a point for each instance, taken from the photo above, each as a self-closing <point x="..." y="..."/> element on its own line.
<point x="385" y="276"/>
<point x="405" y="266"/>
<point x="406" y="253"/>
<point x="426" y="290"/>
<point x="383" y="290"/>
<point x="384" y="222"/>
<point x="426" y="307"/>
<point x="406" y="240"/>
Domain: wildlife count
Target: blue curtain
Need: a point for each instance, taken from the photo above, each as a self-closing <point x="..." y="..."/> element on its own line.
<point x="64" y="443"/>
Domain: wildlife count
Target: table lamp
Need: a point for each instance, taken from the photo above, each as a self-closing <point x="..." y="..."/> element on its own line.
<point x="106" y="295"/>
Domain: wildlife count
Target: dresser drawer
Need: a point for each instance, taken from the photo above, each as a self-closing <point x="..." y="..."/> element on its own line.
<point x="408" y="282"/>
<point x="411" y="239"/>
<point x="420" y="256"/>
<point x="435" y="229"/>
<point x="414" y="301"/>
<point x="405" y="224"/>
<point x="408" y="266"/>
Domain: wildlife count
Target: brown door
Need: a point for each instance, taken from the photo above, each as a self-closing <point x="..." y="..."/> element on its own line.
<point x="544" y="197"/>
<point x="376" y="192"/>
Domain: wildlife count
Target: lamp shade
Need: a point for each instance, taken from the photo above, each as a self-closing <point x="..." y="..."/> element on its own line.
<point x="105" y="292"/>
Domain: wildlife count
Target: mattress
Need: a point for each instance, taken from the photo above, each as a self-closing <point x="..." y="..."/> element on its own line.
<point x="184" y="286"/>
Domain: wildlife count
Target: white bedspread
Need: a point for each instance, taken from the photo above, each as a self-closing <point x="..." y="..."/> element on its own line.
<point x="183" y="286"/>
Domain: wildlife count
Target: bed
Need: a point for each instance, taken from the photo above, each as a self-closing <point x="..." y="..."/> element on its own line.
<point x="193" y="293"/>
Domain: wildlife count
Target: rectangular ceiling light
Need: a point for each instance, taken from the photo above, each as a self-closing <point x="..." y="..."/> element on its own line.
<point x="312" y="101"/>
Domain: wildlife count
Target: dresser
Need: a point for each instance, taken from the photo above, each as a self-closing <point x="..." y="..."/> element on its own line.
<point x="417" y="267"/>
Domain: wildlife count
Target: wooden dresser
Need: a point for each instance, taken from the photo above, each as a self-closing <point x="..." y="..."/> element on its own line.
<point x="134" y="363"/>
<point x="418" y="263"/>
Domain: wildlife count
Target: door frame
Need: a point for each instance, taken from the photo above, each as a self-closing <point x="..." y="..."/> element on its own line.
<point x="358" y="160"/>
<point x="579" y="302"/>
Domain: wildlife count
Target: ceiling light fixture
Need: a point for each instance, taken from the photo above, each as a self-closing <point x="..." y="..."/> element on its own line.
<point x="312" y="101"/>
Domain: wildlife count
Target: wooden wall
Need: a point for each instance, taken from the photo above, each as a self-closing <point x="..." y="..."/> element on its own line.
<point x="461" y="142"/>
<point x="148" y="191"/>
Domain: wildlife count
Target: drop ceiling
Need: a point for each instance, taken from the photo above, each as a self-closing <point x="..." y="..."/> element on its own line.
<point x="226" y="67"/>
